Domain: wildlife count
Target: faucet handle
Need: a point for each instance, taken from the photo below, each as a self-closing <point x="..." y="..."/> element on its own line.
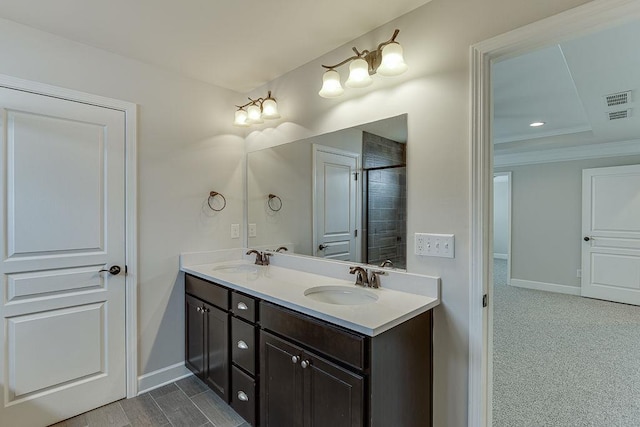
<point x="259" y="256"/>
<point x="265" y="258"/>
<point x="374" y="279"/>
<point x="361" y="275"/>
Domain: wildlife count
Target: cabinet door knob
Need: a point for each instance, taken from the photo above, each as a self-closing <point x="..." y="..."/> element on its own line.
<point x="242" y="306"/>
<point x="243" y="396"/>
<point x="243" y="345"/>
<point x="295" y="359"/>
<point x="199" y="309"/>
<point x="305" y="364"/>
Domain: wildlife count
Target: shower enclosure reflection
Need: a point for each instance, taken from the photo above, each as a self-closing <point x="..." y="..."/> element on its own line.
<point x="341" y="195"/>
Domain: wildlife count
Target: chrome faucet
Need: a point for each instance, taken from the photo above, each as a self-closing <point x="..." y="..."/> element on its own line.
<point x="261" y="258"/>
<point x="374" y="278"/>
<point x="282" y="249"/>
<point x="361" y="276"/>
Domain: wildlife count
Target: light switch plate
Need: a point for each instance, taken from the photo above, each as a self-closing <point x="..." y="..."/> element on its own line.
<point x="235" y="231"/>
<point x="252" y="230"/>
<point x="437" y="245"/>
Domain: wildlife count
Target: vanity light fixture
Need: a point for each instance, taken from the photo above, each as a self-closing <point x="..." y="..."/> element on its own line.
<point x="386" y="60"/>
<point x="256" y="111"/>
<point x="537" y="124"/>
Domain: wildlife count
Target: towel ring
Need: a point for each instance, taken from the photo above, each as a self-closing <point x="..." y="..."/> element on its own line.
<point x="274" y="206"/>
<point x="213" y="195"/>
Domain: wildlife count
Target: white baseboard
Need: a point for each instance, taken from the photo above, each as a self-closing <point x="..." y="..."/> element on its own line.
<point x="549" y="287"/>
<point x="160" y="377"/>
<point x="500" y="256"/>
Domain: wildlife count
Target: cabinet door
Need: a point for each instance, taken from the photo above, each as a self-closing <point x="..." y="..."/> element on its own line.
<point x="217" y="350"/>
<point x="281" y="383"/>
<point x="194" y="336"/>
<point x="333" y="396"/>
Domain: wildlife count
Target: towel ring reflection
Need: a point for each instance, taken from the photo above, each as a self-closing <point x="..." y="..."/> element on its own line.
<point x="212" y="196"/>
<point x="274" y="202"/>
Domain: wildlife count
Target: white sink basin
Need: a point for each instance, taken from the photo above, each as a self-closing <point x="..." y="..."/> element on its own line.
<point x="341" y="295"/>
<point x="236" y="268"/>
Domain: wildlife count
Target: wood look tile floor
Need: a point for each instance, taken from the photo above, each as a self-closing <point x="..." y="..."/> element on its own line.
<point x="185" y="403"/>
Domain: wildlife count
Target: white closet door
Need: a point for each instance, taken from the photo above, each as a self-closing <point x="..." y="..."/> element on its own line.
<point x="335" y="204"/>
<point x="63" y="220"/>
<point x="611" y="233"/>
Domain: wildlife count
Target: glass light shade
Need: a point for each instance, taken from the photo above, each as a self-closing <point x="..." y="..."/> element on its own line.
<point x="270" y="109"/>
<point x="254" y="114"/>
<point x="331" y="86"/>
<point x="358" y="74"/>
<point x="241" y="118"/>
<point x="392" y="60"/>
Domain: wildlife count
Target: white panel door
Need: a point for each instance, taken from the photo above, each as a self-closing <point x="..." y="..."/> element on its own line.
<point x="335" y="204"/>
<point x="611" y="234"/>
<point x="62" y="214"/>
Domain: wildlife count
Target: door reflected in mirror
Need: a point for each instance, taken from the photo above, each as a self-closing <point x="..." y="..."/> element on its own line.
<point x="339" y="196"/>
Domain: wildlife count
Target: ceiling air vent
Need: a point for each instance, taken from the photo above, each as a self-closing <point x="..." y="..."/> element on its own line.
<point x="619" y="98"/>
<point x="622" y="114"/>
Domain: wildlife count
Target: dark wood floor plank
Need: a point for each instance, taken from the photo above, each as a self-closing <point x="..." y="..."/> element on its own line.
<point x="143" y="411"/>
<point x="180" y="410"/>
<point x="110" y="415"/>
<point x="220" y="414"/>
<point x="165" y="389"/>
<point x="191" y="386"/>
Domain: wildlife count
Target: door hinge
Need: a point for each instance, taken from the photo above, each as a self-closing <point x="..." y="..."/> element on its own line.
<point x="485" y="300"/>
<point x="126" y="270"/>
<point x="355" y="176"/>
<point x="355" y="233"/>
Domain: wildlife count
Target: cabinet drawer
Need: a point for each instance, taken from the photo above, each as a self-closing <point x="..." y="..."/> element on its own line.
<point x="243" y="397"/>
<point x="243" y="349"/>
<point x="244" y="306"/>
<point x="331" y="340"/>
<point x="207" y="291"/>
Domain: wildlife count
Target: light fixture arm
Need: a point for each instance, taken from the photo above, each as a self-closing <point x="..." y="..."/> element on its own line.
<point x="372" y="57"/>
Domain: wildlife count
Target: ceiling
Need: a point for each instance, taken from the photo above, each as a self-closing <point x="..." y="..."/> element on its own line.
<point x="565" y="86"/>
<point x="239" y="44"/>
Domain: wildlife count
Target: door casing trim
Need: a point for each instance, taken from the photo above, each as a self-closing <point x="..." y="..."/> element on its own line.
<point x="131" y="255"/>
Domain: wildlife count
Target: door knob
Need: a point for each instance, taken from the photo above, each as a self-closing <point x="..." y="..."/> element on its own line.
<point x="305" y="364"/>
<point x="322" y="247"/>
<point x="295" y="359"/>
<point x="114" y="269"/>
<point x="587" y="238"/>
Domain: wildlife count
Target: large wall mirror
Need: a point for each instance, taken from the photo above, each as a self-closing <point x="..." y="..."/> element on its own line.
<point x="340" y="195"/>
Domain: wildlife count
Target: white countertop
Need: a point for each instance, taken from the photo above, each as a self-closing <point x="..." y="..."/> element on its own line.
<point x="286" y="287"/>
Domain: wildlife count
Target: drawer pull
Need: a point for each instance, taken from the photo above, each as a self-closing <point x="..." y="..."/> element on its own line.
<point x="243" y="396"/>
<point x="243" y="345"/>
<point x="242" y="306"/>
<point x="295" y="359"/>
<point x="305" y="364"/>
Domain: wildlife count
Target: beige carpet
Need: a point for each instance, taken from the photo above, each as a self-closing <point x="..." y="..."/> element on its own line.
<point x="562" y="360"/>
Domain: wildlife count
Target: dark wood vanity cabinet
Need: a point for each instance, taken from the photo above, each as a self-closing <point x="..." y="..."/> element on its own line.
<point x="315" y="374"/>
<point x="280" y="368"/>
<point x="207" y="334"/>
<point x="300" y="388"/>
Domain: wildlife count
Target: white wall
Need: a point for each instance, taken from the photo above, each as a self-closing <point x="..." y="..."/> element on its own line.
<point x="500" y="216"/>
<point x="435" y="94"/>
<point x="547" y="219"/>
<point x="184" y="129"/>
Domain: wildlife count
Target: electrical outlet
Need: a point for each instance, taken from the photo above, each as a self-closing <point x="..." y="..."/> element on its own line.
<point x="437" y="245"/>
<point x="252" y="230"/>
<point x="235" y="231"/>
